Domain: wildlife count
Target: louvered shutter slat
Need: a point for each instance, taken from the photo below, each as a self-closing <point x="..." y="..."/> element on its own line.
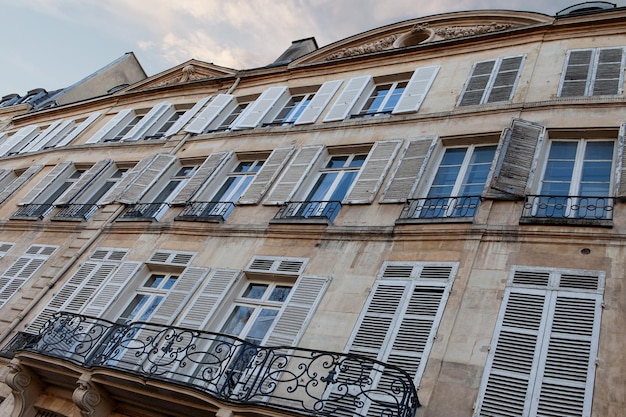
<point x="22" y="270"/>
<point x="256" y="111"/>
<point x="219" y="104"/>
<point x="142" y="182"/>
<point x="23" y="134"/>
<point x="294" y="174"/>
<point x="147" y="121"/>
<point x="42" y="138"/>
<point x="416" y="89"/>
<point x="477" y="83"/>
<point x="47" y="181"/>
<point x="373" y="172"/>
<point x="204" y="174"/>
<point x="18" y="182"/>
<point x="109" y="291"/>
<point x="348" y="98"/>
<point x="266" y="175"/>
<point x="186" y="117"/>
<point x="59" y="133"/>
<point x="608" y="76"/>
<point x="320" y="100"/>
<point x="78" y="130"/>
<point x="122" y="117"/>
<point x="178" y="295"/>
<point x="505" y="79"/>
<point x="83" y="182"/>
<point x="576" y="73"/>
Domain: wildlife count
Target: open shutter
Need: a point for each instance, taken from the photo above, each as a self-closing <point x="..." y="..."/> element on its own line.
<point x="18" y="182"/>
<point x="48" y="180"/>
<point x="517" y="157"/>
<point x="78" y="130"/>
<point x="373" y="172"/>
<point x="319" y="102"/>
<point x="505" y="80"/>
<point x="209" y="167"/>
<point x="576" y="74"/>
<point x="178" y="296"/>
<point x="186" y="117"/>
<point x="348" y="98"/>
<point x="200" y="310"/>
<point x="109" y="291"/>
<point x="477" y="83"/>
<point x="620" y="172"/>
<point x="156" y="113"/>
<point x="142" y="182"/>
<point x="120" y="186"/>
<point x="23" y="135"/>
<point x="59" y="133"/>
<point x="121" y="118"/>
<point x="409" y="170"/>
<point x="260" y="108"/>
<point x="266" y="175"/>
<point x="416" y="89"/>
<point x="294" y="175"/>
<point x="609" y="74"/>
<point x="210" y="113"/>
<point x="83" y="182"/>
<point x="40" y="140"/>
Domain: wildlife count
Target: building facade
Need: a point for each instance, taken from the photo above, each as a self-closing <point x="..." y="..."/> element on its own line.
<point x="424" y="219"/>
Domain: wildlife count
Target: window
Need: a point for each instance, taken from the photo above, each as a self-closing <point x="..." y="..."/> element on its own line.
<point x="12" y="180"/>
<point x="147" y="298"/>
<point x="18" y="140"/>
<point x="492" y="81"/>
<point x="159" y="132"/>
<point x="593" y="72"/>
<point x="292" y="110"/>
<point x="382" y="100"/>
<point x="119" y="134"/>
<point x="230" y="118"/>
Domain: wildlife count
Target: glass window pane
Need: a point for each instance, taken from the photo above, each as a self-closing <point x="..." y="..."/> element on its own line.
<point x="255" y="291"/>
<point x="237" y="320"/>
<point x="357" y="161"/>
<point x="344" y="185"/>
<point x="563" y="151"/>
<point x="322" y="187"/>
<point x="279" y="293"/>
<point x="599" y="151"/>
<point x="337" y="161"/>
<point x="148" y="311"/>
<point x="154" y="281"/>
<point x="261" y="326"/>
<point x="170" y="282"/>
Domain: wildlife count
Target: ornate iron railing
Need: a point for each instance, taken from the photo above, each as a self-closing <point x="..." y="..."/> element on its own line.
<point x="33" y="211"/>
<point x="76" y="211"/>
<point x="309" y="210"/>
<point x="310" y="382"/>
<point x="567" y="207"/>
<point x="144" y="211"/>
<point x="206" y="210"/>
<point x="441" y="207"/>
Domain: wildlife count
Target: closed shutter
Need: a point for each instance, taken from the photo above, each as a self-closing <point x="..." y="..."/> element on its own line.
<point x="40" y="140"/>
<point x="477" y="83"/>
<point x="142" y="182"/>
<point x="517" y="158"/>
<point x="157" y="113"/>
<point x="202" y="176"/>
<point x="620" y="172"/>
<point x="416" y="89"/>
<point x="186" y="117"/>
<point x="505" y="79"/>
<point x="18" y="182"/>
<point x="409" y="170"/>
<point x="609" y="72"/>
<point x="78" y="130"/>
<point x="266" y="175"/>
<point x="178" y="296"/>
<point x="295" y="173"/>
<point x="59" y="133"/>
<point x="373" y="172"/>
<point x="121" y="185"/>
<point x="348" y="98"/>
<point x="23" y="135"/>
<point x="319" y="102"/>
<point x="255" y="113"/>
<point x="83" y="182"/>
<point x="210" y="113"/>
<point x="110" y="290"/>
<point x="120" y="119"/>
<point x="5" y="247"/>
<point x="577" y="73"/>
<point x="47" y="181"/>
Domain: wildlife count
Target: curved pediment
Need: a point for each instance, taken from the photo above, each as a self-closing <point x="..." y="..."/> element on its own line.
<point x="425" y="30"/>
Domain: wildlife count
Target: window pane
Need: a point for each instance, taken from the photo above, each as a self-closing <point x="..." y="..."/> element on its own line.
<point x="170" y="283"/>
<point x="154" y="281"/>
<point x="279" y="293"/>
<point x="261" y="326"/>
<point x="321" y="188"/>
<point x="337" y="161"/>
<point x="237" y="320"/>
<point x="343" y="186"/>
<point x="153" y="305"/>
<point x="357" y="161"/>
<point x="255" y="291"/>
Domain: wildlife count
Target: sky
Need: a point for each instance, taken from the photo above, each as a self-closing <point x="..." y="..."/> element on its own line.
<point x="53" y="43"/>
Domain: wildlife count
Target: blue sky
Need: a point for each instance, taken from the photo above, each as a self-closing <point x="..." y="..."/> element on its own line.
<point x="54" y="43"/>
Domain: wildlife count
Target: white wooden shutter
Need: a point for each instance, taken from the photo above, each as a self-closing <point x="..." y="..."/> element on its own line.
<point x="620" y="171"/>
<point x="271" y="266"/>
<point x="142" y="182"/>
<point x="130" y="176"/>
<point x="186" y="117"/>
<point x="609" y="72"/>
<point x="155" y="114"/>
<point x="505" y="79"/>
<point x="46" y="182"/>
<point x="576" y="73"/>
<point x="200" y="310"/>
<point x="294" y="174"/>
<point x="319" y="102"/>
<point x="219" y="104"/>
<point x="477" y="83"/>
<point x="416" y="89"/>
<point x="120" y="119"/>
<point x="110" y="290"/>
<point x="18" y="182"/>
<point x="266" y="175"/>
<point x="59" y="133"/>
<point x="78" y="130"/>
<point x="83" y="182"/>
<point x="373" y="171"/>
<point x="23" y="135"/>
<point x="409" y="170"/>
<point x="5" y="247"/>
<point x="256" y="111"/>
<point x="348" y="98"/>
<point x="202" y="177"/>
<point x="170" y="257"/>
<point x="23" y="269"/>
<point x="178" y="296"/>
<point x="40" y="140"/>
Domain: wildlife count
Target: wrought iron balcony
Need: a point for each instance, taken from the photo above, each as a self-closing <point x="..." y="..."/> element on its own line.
<point x="441" y="207"/>
<point x="144" y="211"/>
<point x="33" y="211"/>
<point x="310" y="382"/>
<point x="309" y="210"/>
<point x="206" y="211"/>
<point x="567" y="209"/>
<point x="76" y="211"/>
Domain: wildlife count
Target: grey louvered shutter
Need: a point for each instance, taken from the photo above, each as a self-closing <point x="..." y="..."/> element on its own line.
<point x="157" y="112"/>
<point x="61" y="131"/>
<point x="186" y="117"/>
<point x="297" y="311"/>
<point x="121" y="118"/>
<point x="373" y="172"/>
<point x="40" y="140"/>
<point x="109" y="291"/>
<point x="505" y="79"/>
<point x="24" y="268"/>
<point x="517" y="158"/>
<point x="24" y="134"/>
<point x="121" y="185"/>
<point x="266" y="175"/>
<point x="416" y="89"/>
<point x="609" y="74"/>
<point x="202" y="176"/>
<point x="576" y="73"/>
<point x="409" y="170"/>
<point x="210" y="113"/>
<point x="78" y="130"/>
<point x="146" y="179"/>
<point x="294" y="174"/>
<point x="83" y="182"/>
<point x="348" y="98"/>
<point x="5" y="173"/>
<point x="320" y="100"/>
<point x="200" y="310"/>
<point x="620" y="171"/>
<point x="47" y="181"/>
<point x="477" y="83"/>
<point x="178" y="296"/>
<point x="255" y="113"/>
<point x="18" y="182"/>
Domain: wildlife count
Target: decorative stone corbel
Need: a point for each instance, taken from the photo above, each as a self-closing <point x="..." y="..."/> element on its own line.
<point x="91" y="401"/>
<point x="25" y="387"/>
<point x="224" y="412"/>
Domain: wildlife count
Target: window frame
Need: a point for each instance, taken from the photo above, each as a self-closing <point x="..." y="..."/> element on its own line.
<point x="491" y="81"/>
<point x="592" y="71"/>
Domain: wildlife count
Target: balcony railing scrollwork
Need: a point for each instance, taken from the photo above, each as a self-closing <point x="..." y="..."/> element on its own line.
<point x="310" y="382"/>
<point x="76" y="211"/>
<point x="309" y="210"/>
<point x="32" y="211"/>
<point x="206" y="210"/>
<point x="440" y="207"/>
<point x="567" y="209"/>
<point x="145" y="211"/>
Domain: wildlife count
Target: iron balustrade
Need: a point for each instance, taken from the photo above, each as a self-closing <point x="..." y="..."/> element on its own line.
<point x="76" y="211"/>
<point x="33" y="211"/>
<point x="367" y="114"/>
<point x="144" y="211"/>
<point x="567" y="207"/>
<point x="440" y="207"/>
<point x="311" y="382"/>
<point x="206" y="210"/>
<point x="309" y="210"/>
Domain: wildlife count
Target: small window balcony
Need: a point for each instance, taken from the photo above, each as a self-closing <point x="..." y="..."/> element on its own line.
<point x="144" y="211"/>
<point x="572" y="210"/>
<point x="32" y="212"/>
<point x="75" y="212"/>
<point x="206" y="211"/>
<point x="440" y="208"/>
<point x="308" y="210"/>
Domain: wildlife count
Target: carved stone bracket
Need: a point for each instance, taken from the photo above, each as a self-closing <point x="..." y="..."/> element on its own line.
<point x="25" y="388"/>
<point x="91" y="401"/>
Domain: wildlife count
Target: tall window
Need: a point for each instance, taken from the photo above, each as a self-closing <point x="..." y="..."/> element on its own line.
<point x="230" y="119"/>
<point x="167" y="124"/>
<point x="147" y="298"/>
<point x="492" y="81"/>
<point x="292" y="110"/>
<point x="593" y="72"/>
<point x="124" y="130"/>
<point x="383" y="99"/>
